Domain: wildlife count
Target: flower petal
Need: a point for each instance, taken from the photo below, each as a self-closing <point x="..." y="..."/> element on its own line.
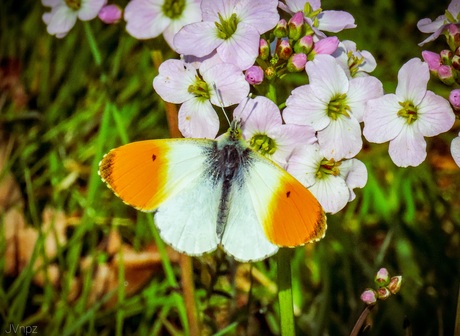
<point x="144" y="18"/>
<point x="355" y="174"/>
<point x="258" y="115"/>
<point x="455" y="150"/>
<point x="261" y="14"/>
<point x="304" y="164"/>
<point x="60" y="20"/>
<point x="341" y="138"/>
<point x="428" y="26"/>
<point x="413" y="79"/>
<point x="327" y="78"/>
<point x="361" y="90"/>
<point x="408" y="148"/>
<point x="198" y="119"/>
<point x="90" y="8"/>
<point x="381" y="120"/>
<point x="435" y="115"/>
<point x="335" y="21"/>
<point x="230" y="82"/>
<point x="304" y="108"/>
<point x="198" y="39"/>
<point x="331" y="192"/>
<point x="242" y="48"/>
<point x="173" y="81"/>
<point x="211" y="8"/>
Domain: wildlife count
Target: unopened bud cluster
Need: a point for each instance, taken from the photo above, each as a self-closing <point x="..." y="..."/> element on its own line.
<point x="293" y="44"/>
<point x="445" y="65"/>
<point x="386" y="286"/>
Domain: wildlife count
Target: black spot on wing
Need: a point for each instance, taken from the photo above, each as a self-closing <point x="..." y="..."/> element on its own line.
<point x="154" y="157"/>
<point x="288" y="194"/>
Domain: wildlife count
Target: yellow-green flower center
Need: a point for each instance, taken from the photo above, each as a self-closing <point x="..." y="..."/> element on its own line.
<point x="226" y="28"/>
<point x="263" y="144"/>
<point x="338" y="106"/>
<point x="328" y="167"/>
<point x="354" y="63"/>
<point x="173" y="8"/>
<point x="74" y="4"/>
<point x="408" y="111"/>
<point x="200" y="89"/>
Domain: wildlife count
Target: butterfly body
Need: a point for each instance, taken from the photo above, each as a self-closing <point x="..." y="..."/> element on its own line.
<point x="207" y="193"/>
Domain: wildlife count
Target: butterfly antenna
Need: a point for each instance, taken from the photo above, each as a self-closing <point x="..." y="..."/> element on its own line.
<point x="221" y="101"/>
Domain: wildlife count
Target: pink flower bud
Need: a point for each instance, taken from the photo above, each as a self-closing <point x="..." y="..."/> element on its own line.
<point x="281" y="29"/>
<point x="304" y="45"/>
<point x="454" y="99"/>
<point x="395" y="282"/>
<point x="445" y="74"/>
<point x="297" y="62"/>
<point x="254" y="75"/>
<point x="283" y="49"/>
<point x="432" y="59"/>
<point x="382" y="278"/>
<point x="110" y="14"/>
<point x="446" y="56"/>
<point x="296" y="25"/>
<point x="264" y="49"/>
<point x="369" y="297"/>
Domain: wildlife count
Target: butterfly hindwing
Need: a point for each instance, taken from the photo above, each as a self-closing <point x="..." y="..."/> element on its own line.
<point x="167" y="176"/>
<point x="285" y="211"/>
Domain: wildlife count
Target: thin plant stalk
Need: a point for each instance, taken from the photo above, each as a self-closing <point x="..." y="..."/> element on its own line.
<point x="285" y="292"/>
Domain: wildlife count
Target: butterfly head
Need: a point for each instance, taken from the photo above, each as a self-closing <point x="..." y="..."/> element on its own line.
<point x="234" y="132"/>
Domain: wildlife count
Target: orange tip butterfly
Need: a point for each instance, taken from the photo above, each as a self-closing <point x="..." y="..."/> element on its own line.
<point x="205" y="193"/>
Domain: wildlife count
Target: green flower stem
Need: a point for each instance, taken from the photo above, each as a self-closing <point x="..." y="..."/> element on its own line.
<point x="285" y="292"/>
<point x="271" y="94"/>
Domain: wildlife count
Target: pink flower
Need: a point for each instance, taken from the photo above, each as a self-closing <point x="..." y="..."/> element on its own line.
<point x="265" y="132"/>
<point x="332" y="182"/>
<point x="181" y="83"/>
<point x="437" y="26"/>
<point x="333" y="105"/>
<point x="110" y="14"/>
<point x="331" y="21"/>
<point x="325" y="46"/>
<point x="147" y="19"/>
<point x="231" y="27"/>
<point x="63" y="15"/>
<point x="408" y="116"/>
<point x="355" y="63"/>
<point x="455" y="149"/>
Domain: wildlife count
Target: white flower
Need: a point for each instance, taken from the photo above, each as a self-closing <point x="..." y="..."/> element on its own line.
<point x="64" y="14"/>
<point x="333" y="105"/>
<point x="332" y="182"/>
<point x="149" y="18"/>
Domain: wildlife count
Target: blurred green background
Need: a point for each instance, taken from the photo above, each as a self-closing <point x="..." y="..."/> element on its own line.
<point x="60" y="112"/>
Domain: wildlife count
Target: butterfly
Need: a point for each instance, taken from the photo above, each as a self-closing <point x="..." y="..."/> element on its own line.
<point x="205" y="193"/>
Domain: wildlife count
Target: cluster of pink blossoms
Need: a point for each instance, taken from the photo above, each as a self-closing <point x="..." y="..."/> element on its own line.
<point x="230" y="49"/>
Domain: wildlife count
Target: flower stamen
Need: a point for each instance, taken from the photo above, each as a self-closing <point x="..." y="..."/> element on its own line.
<point x="337" y="106"/>
<point x="73" y="4"/>
<point x="263" y="144"/>
<point x="328" y="167"/>
<point x="408" y="111"/>
<point x="226" y="28"/>
<point x="200" y="89"/>
<point x="173" y="8"/>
